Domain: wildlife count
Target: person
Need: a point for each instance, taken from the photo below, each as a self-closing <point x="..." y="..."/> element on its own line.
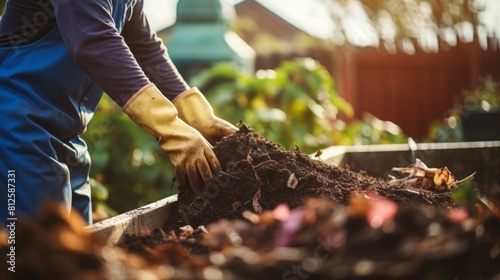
<point x="57" y="57"/>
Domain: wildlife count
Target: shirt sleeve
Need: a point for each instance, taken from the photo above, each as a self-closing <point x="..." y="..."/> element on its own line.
<point x="95" y="45"/>
<point x="152" y="55"/>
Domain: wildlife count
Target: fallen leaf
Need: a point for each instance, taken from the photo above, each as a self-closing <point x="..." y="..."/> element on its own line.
<point x="421" y="176"/>
<point x="236" y="205"/>
<point x="358" y="206"/>
<point x="186" y="231"/>
<point x="443" y="177"/>
<point x="292" y="181"/>
<point x="255" y="202"/>
<point x="250" y="216"/>
<point x="203" y="229"/>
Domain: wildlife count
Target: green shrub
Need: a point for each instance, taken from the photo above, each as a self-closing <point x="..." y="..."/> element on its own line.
<point x="294" y="104"/>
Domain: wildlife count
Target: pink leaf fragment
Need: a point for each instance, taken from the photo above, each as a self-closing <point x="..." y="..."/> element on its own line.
<point x="289" y="227"/>
<point x="458" y="215"/>
<point x="281" y="212"/>
<point x="381" y="211"/>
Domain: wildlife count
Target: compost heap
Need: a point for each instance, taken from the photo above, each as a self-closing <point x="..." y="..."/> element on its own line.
<point x="259" y="174"/>
<point x="276" y="214"/>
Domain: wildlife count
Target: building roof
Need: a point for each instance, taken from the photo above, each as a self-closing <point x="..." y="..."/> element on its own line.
<point x="312" y="17"/>
<point x="307" y="16"/>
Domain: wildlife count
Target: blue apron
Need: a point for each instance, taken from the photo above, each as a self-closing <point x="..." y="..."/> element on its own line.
<point x="46" y="102"/>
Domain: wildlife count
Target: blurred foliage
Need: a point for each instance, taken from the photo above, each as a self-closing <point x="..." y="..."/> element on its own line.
<point x="466" y="194"/>
<point x="368" y="131"/>
<point x="486" y="96"/>
<point x="449" y="129"/>
<point x="397" y="21"/>
<point x="100" y="207"/>
<point x="293" y="104"/>
<point x="2" y="6"/>
<point x="126" y="161"/>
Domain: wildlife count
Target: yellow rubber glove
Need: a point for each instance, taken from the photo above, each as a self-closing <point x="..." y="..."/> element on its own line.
<point x="190" y="153"/>
<point x="195" y="110"/>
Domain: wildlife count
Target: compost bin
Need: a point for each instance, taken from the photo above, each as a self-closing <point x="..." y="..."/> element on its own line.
<point x="252" y="225"/>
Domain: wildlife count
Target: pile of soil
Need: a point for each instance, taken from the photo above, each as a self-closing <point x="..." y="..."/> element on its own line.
<point x="274" y="213"/>
<point x="256" y="172"/>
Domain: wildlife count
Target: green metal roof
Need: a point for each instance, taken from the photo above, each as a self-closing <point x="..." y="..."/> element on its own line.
<point x="201" y="37"/>
<point x="199" y="11"/>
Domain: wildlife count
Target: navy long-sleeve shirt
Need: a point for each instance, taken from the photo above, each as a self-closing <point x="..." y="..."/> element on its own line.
<point x="120" y="64"/>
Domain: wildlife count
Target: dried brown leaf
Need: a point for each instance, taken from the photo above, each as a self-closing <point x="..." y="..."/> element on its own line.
<point x="292" y="181"/>
<point x="421" y="176"/>
<point x="255" y="202"/>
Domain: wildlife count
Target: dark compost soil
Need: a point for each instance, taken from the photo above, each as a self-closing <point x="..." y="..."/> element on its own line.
<point x="324" y="228"/>
<point x="253" y="165"/>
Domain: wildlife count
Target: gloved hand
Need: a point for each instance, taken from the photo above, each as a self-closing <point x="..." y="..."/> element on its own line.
<point x="189" y="152"/>
<point x="195" y="110"/>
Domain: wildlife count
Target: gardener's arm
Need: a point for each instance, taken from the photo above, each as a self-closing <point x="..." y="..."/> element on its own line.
<point x="96" y="46"/>
<point x="94" y="43"/>
<point x="152" y="56"/>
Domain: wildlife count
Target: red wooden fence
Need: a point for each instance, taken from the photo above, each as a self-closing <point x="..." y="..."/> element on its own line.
<point x="412" y="90"/>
